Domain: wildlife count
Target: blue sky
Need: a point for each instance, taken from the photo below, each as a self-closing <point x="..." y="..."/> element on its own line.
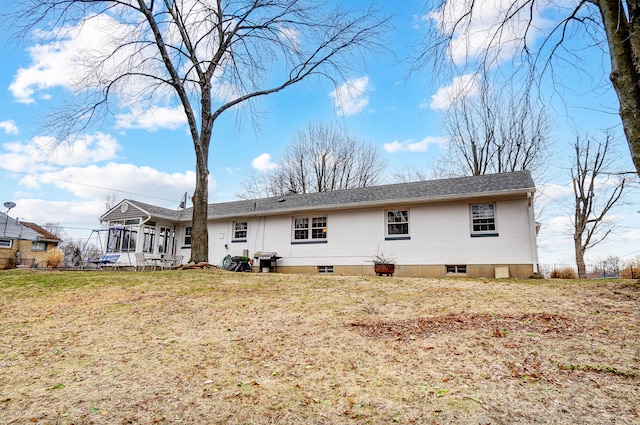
<point x="386" y="106"/>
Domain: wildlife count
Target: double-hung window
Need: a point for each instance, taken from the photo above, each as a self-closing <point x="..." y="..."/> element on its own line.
<point x="397" y="225"/>
<point x="240" y="231"/>
<point x="310" y="230"/>
<point x="187" y="236"/>
<point x="483" y="220"/>
<point x="6" y="243"/>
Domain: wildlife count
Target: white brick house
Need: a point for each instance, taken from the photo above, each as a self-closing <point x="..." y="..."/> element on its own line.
<point x="466" y="226"/>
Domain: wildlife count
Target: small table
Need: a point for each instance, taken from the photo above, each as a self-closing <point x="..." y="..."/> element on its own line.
<point x="156" y="260"/>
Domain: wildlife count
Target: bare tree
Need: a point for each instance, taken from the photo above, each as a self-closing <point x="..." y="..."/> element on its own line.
<point x="259" y="185"/>
<point x="495" y="131"/>
<point x="408" y="173"/>
<point x="109" y="201"/>
<point x="56" y="229"/>
<point x="207" y="56"/>
<point x="609" y="266"/>
<point x="596" y="192"/>
<point x="320" y="158"/>
<point x="72" y="249"/>
<point x="612" y="26"/>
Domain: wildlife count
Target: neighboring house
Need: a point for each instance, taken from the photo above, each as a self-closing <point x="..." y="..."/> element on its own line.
<point x="24" y="244"/>
<point x="466" y="226"/>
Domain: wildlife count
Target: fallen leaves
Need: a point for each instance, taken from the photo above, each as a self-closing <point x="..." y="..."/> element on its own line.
<point x="497" y="325"/>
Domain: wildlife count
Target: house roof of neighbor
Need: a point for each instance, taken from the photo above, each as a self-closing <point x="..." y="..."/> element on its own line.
<point x="11" y="228"/>
<point x="47" y="236"/>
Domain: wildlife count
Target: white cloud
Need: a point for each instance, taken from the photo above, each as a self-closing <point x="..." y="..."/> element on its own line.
<point x="78" y="217"/>
<point x="290" y="35"/>
<point x="129" y="180"/>
<point x="463" y="86"/>
<point x="153" y="118"/>
<point x="263" y="163"/>
<point x="9" y="127"/>
<point x="43" y="153"/>
<point x="487" y="35"/>
<point x="411" y="146"/>
<point x="633" y="236"/>
<point x="550" y="194"/>
<point x="63" y="62"/>
<point x="351" y="97"/>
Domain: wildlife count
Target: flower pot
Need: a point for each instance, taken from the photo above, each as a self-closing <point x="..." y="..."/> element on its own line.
<point x="384" y="269"/>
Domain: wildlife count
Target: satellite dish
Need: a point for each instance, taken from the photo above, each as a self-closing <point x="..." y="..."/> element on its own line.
<point x="9" y="205"/>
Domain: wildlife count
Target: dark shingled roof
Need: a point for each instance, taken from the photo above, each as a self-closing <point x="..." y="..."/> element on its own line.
<point x="400" y="193"/>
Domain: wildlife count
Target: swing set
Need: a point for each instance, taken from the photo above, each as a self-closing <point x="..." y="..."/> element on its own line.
<point x="88" y="260"/>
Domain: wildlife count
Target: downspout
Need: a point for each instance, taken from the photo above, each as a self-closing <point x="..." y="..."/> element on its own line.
<point x="532" y="232"/>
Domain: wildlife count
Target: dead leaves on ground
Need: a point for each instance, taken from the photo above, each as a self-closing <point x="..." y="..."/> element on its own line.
<point x="495" y="325"/>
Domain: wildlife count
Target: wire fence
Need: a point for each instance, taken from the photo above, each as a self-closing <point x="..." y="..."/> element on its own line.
<point x="593" y="271"/>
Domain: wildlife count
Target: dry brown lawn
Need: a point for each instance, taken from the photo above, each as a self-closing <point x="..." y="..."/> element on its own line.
<point x="211" y="347"/>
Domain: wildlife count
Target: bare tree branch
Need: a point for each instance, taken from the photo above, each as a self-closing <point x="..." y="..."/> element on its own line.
<point x="495" y="132"/>
<point x="511" y="31"/>
<point x="206" y="56"/>
<point x="320" y="158"/>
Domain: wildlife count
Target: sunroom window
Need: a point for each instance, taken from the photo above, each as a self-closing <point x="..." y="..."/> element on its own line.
<point x="122" y="236"/>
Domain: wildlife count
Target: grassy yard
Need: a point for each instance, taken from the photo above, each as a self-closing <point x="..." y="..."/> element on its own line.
<point x="211" y="347"/>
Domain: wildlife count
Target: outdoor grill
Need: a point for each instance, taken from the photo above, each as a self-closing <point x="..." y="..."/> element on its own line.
<point x="268" y="261"/>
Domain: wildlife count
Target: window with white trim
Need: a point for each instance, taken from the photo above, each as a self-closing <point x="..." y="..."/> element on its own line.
<point x="187" y="236"/>
<point x="123" y="235"/>
<point x="240" y="231"/>
<point x="148" y="237"/>
<point x="397" y="225"/>
<point x="483" y="220"/>
<point x="310" y="229"/>
<point x="38" y="246"/>
<point x="165" y="240"/>
<point x="6" y="243"/>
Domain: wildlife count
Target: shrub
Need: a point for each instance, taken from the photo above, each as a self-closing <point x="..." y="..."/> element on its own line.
<point x="631" y="269"/>
<point x="565" y="273"/>
<point x="54" y="258"/>
<point x="630" y="272"/>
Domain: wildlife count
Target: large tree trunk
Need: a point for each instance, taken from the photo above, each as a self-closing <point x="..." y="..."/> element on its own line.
<point x="582" y="269"/>
<point x="199" y="233"/>
<point x="623" y="37"/>
<point x="579" y="250"/>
